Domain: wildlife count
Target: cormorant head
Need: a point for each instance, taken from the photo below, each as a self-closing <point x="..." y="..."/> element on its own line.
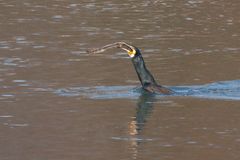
<point x="131" y="50"/>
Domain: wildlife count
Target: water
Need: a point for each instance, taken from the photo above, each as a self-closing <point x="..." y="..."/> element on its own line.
<point x="59" y="103"/>
<point x="227" y="90"/>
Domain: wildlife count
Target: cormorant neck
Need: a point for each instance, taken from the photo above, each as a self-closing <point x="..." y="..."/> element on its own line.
<point x="144" y="75"/>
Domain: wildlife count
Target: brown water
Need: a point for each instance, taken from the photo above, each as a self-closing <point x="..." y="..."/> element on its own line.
<point x="59" y="103"/>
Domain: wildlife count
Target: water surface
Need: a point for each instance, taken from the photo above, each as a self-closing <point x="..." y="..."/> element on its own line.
<point x="58" y="103"/>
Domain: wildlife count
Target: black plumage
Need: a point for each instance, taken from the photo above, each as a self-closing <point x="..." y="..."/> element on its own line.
<point x="146" y="78"/>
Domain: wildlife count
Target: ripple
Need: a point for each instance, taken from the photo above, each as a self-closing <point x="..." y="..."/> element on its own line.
<point x="57" y="17"/>
<point x="138" y="139"/>
<point x="167" y="145"/>
<point x="4" y="45"/>
<point x="19" y="81"/>
<point x="8" y="95"/>
<point x="39" y="46"/>
<point x="6" y="116"/>
<point x="226" y="90"/>
<point x="192" y="142"/>
<point x="99" y="92"/>
<point x="16" y="124"/>
<point x="13" y="62"/>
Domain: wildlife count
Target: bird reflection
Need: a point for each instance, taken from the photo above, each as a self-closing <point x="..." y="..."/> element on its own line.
<point x="143" y="111"/>
<point x="136" y="126"/>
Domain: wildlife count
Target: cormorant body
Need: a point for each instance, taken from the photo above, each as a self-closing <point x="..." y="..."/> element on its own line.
<point x="147" y="80"/>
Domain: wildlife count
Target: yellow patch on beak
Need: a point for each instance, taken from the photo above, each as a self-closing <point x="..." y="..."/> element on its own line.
<point x="132" y="53"/>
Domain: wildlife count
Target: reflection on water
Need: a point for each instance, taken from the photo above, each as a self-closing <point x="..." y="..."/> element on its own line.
<point x="143" y="111"/>
<point x="144" y="108"/>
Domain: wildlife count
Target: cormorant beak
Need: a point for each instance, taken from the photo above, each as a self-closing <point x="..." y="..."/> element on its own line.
<point x="130" y="49"/>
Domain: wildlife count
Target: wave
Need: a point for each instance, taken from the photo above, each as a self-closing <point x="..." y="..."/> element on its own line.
<point x="227" y="90"/>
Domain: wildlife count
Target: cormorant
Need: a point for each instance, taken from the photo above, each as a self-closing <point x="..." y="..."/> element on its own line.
<point x="146" y="78"/>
